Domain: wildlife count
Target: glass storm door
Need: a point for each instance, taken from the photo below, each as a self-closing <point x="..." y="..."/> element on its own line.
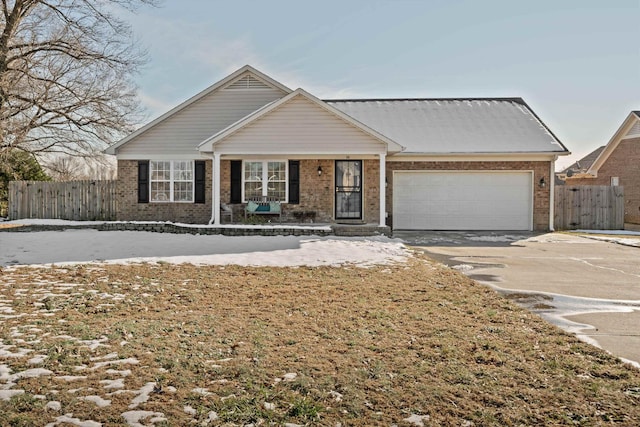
<point x="348" y="189"/>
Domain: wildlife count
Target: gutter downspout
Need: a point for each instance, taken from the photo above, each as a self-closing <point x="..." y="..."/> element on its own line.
<point x="213" y="187"/>
<point x="383" y="179"/>
<point x="552" y="191"/>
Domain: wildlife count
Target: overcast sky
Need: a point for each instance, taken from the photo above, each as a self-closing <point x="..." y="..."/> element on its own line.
<point x="575" y="62"/>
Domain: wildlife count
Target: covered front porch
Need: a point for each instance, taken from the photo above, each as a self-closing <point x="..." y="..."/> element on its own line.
<point x="318" y="163"/>
<point x="264" y="190"/>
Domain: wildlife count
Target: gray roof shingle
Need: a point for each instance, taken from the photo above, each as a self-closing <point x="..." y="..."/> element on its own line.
<point x="584" y="163"/>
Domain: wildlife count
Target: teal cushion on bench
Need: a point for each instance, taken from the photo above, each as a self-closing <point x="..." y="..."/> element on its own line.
<point x="252" y="206"/>
<point x="274" y="207"/>
<point x="262" y="208"/>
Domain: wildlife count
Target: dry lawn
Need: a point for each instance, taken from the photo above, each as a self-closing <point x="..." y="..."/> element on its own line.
<point x="408" y="344"/>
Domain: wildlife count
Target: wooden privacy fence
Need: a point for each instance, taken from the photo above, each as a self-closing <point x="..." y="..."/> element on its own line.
<point x="589" y="207"/>
<point x="72" y="200"/>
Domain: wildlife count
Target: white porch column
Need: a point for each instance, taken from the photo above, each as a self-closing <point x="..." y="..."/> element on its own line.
<point x="215" y="176"/>
<point x="383" y="189"/>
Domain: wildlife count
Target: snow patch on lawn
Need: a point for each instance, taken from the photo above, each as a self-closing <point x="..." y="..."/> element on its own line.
<point x="312" y="252"/>
<point x="133" y="418"/>
<point x="124" y="247"/>
<point x="97" y="400"/>
<point x="68" y="419"/>
<point x="8" y="394"/>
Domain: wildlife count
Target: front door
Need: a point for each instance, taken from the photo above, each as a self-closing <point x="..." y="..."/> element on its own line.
<point x="348" y="189"/>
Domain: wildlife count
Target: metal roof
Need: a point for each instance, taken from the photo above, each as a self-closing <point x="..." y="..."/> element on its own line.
<point x="441" y="126"/>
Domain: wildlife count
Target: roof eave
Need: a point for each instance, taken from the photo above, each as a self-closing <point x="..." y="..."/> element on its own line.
<point x="486" y="153"/>
<point x="613" y="142"/>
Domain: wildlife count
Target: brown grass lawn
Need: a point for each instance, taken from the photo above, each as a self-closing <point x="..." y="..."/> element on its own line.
<point x="326" y="346"/>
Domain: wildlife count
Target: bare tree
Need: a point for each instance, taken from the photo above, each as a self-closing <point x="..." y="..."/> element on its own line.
<point x="66" y="69"/>
<point x="62" y="167"/>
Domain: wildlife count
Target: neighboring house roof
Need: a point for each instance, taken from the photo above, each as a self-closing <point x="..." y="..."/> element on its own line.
<point x="209" y="143"/>
<point x="247" y="80"/>
<point x="629" y="128"/>
<point x="452" y="126"/>
<point x="584" y="163"/>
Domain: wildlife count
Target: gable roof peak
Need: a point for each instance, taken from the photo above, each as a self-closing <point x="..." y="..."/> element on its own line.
<point x="629" y="122"/>
<point x="218" y="85"/>
<point x="207" y="144"/>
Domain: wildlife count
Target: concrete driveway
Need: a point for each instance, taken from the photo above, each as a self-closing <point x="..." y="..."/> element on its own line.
<point x="588" y="287"/>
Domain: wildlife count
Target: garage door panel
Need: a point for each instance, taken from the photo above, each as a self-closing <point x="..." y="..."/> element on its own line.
<point x="462" y="200"/>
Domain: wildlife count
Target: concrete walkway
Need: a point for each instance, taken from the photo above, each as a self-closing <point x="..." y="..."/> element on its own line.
<point x="586" y="286"/>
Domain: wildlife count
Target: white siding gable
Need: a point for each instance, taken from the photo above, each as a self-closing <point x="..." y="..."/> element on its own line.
<point x="300" y="126"/>
<point x="179" y="134"/>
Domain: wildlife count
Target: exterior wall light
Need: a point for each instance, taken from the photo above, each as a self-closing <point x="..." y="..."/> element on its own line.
<point x="542" y="183"/>
<point x="319" y="170"/>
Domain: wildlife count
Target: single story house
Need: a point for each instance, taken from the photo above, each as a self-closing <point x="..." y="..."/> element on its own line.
<point x="618" y="164"/>
<point x="430" y="164"/>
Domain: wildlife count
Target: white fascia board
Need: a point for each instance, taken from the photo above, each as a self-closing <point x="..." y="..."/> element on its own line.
<point x="337" y="156"/>
<point x="312" y="155"/>
<point x="478" y="157"/>
<point x="247" y="68"/>
<point x="613" y="143"/>
<point x="208" y="144"/>
<point x="158" y="156"/>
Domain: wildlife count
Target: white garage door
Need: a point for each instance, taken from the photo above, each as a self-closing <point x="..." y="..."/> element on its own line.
<point x="462" y="200"/>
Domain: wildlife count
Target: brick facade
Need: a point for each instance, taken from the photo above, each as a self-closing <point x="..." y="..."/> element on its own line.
<point x="541" y="196"/>
<point x="130" y="210"/>
<point x="624" y="163"/>
<point x="317" y="192"/>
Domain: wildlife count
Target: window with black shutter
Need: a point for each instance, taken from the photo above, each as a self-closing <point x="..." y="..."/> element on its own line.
<point x="236" y="181"/>
<point x="143" y="181"/>
<point x="294" y="181"/>
<point x="200" y="175"/>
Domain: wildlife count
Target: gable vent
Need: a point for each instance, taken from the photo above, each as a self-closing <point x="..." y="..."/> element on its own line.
<point x="248" y="82"/>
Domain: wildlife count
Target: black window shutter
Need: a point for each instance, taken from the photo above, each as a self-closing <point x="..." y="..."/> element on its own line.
<point x="294" y="181"/>
<point x="200" y="172"/>
<point x="143" y="181"/>
<point x="236" y="181"/>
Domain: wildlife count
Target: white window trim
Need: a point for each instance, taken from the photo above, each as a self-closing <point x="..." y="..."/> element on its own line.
<point x="265" y="177"/>
<point x="171" y="182"/>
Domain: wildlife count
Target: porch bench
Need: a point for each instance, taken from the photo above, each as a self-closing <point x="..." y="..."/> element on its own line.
<point x="263" y="205"/>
